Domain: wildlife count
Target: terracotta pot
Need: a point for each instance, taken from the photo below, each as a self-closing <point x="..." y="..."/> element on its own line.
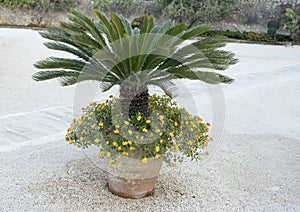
<point x="133" y="179"/>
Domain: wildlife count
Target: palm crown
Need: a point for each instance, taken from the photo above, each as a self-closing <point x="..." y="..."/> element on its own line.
<point x="114" y="53"/>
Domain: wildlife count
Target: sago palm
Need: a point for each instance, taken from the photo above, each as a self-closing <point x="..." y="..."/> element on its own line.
<point x="114" y="53"/>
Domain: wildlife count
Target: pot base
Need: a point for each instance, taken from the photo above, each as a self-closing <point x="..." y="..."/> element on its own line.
<point x="135" y="188"/>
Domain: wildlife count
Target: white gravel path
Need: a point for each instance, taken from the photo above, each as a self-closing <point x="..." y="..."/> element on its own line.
<point x="255" y="166"/>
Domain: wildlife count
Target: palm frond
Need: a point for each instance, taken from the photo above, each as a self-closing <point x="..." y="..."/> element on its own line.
<point x="111" y="51"/>
<point x="118" y="24"/>
<point x="167" y="86"/>
<point x="46" y="75"/>
<point x="61" y="35"/>
<point x="65" y="48"/>
<point x="89" y="25"/>
<point x="127" y="26"/>
<point x="86" y="40"/>
<point x="221" y="59"/>
<point x="147" y="25"/>
<point x="55" y="63"/>
<point x="105" y="86"/>
<point x="111" y="33"/>
<point x="205" y="76"/>
<point x="195" y="31"/>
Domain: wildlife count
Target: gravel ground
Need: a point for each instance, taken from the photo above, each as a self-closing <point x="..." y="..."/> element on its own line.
<point x="246" y="173"/>
<point x="253" y="167"/>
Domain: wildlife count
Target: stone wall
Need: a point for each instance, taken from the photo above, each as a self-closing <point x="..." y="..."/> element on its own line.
<point x="251" y="15"/>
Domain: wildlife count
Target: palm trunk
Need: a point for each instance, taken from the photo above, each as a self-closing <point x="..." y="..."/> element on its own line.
<point x="134" y="100"/>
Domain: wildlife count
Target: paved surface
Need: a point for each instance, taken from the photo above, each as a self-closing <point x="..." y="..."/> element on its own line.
<point x="254" y="167"/>
<point x="19" y="130"/>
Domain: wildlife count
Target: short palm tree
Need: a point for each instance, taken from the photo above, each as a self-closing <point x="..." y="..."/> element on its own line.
<point x="114" y="53"/>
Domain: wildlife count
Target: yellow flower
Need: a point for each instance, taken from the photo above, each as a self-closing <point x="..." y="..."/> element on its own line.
<point x="108" y="154"/>
<point x="161" y="117"/>
<point x="129" y="142"/>
<point x="116" y="166"/>
<point x="107" y="142"/>
<point x="93" y="126"/>
<point x="89" y="118"/>
<point x="171" y="135"/>
<point x="161" y="141"/>
<point x="145" y="160"/>
<point x="139" y="118"/>
<point x="91" y="113"/>
<point x="117" y="126"/>
<point x="111" y="161"/>
<point x="101" y="154"/>
<point x="132" y="148"/>
<point x="124" y="143"/>
<point x="126" y="122"/>
<point x="157" y="156"/>
<point x="130" y="132"/>
<point x="114" y="143"/>
<point x="96" y="140"/>
<point x="101" y="124"/>
<point x="148" y="121"/>
<point x="70" y="142"/>
<point x="142" y="137"/>
<point x="157" y="130"/>
<point x="190" y="143"/>
<point x="157" y="149"/>
<point x="144" y="130"/>
<point x="116" y="131"/>
<point x="125" y="153"/>
<point x="192" y="150"/>
<point x="186" y="123"/>
<point x="175" y="124"/>
<point x="119" y="148"/>
<point x="81" y="138"/>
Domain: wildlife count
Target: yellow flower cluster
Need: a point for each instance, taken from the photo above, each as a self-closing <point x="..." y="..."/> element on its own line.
<point x="173" y="131"/>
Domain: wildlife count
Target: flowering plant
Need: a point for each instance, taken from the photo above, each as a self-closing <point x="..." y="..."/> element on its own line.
<point x="170" y="133"/>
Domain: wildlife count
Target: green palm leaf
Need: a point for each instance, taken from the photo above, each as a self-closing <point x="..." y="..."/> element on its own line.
<point x="111" y="52"/>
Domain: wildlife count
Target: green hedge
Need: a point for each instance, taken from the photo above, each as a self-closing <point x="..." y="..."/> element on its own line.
<point x="250" y="36"/>
<point x="59" y="5"/>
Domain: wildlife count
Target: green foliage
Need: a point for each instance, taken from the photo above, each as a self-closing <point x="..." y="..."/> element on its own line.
<point x="39" y="8"/>
<point x="111" y="52"/>
<point x="170" y="130"/>
<point x="250" y="36"/>
<point x="197" y="10"/>
<point x="105" y="4"/>
<point x="34" y="4"/>
<point x="273" y="26"/>
<point x="293" y="24"/>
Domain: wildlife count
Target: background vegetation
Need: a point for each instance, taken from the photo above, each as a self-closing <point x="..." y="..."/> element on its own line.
<point x="39" y="8"/>
<point x="192" y="11"/>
